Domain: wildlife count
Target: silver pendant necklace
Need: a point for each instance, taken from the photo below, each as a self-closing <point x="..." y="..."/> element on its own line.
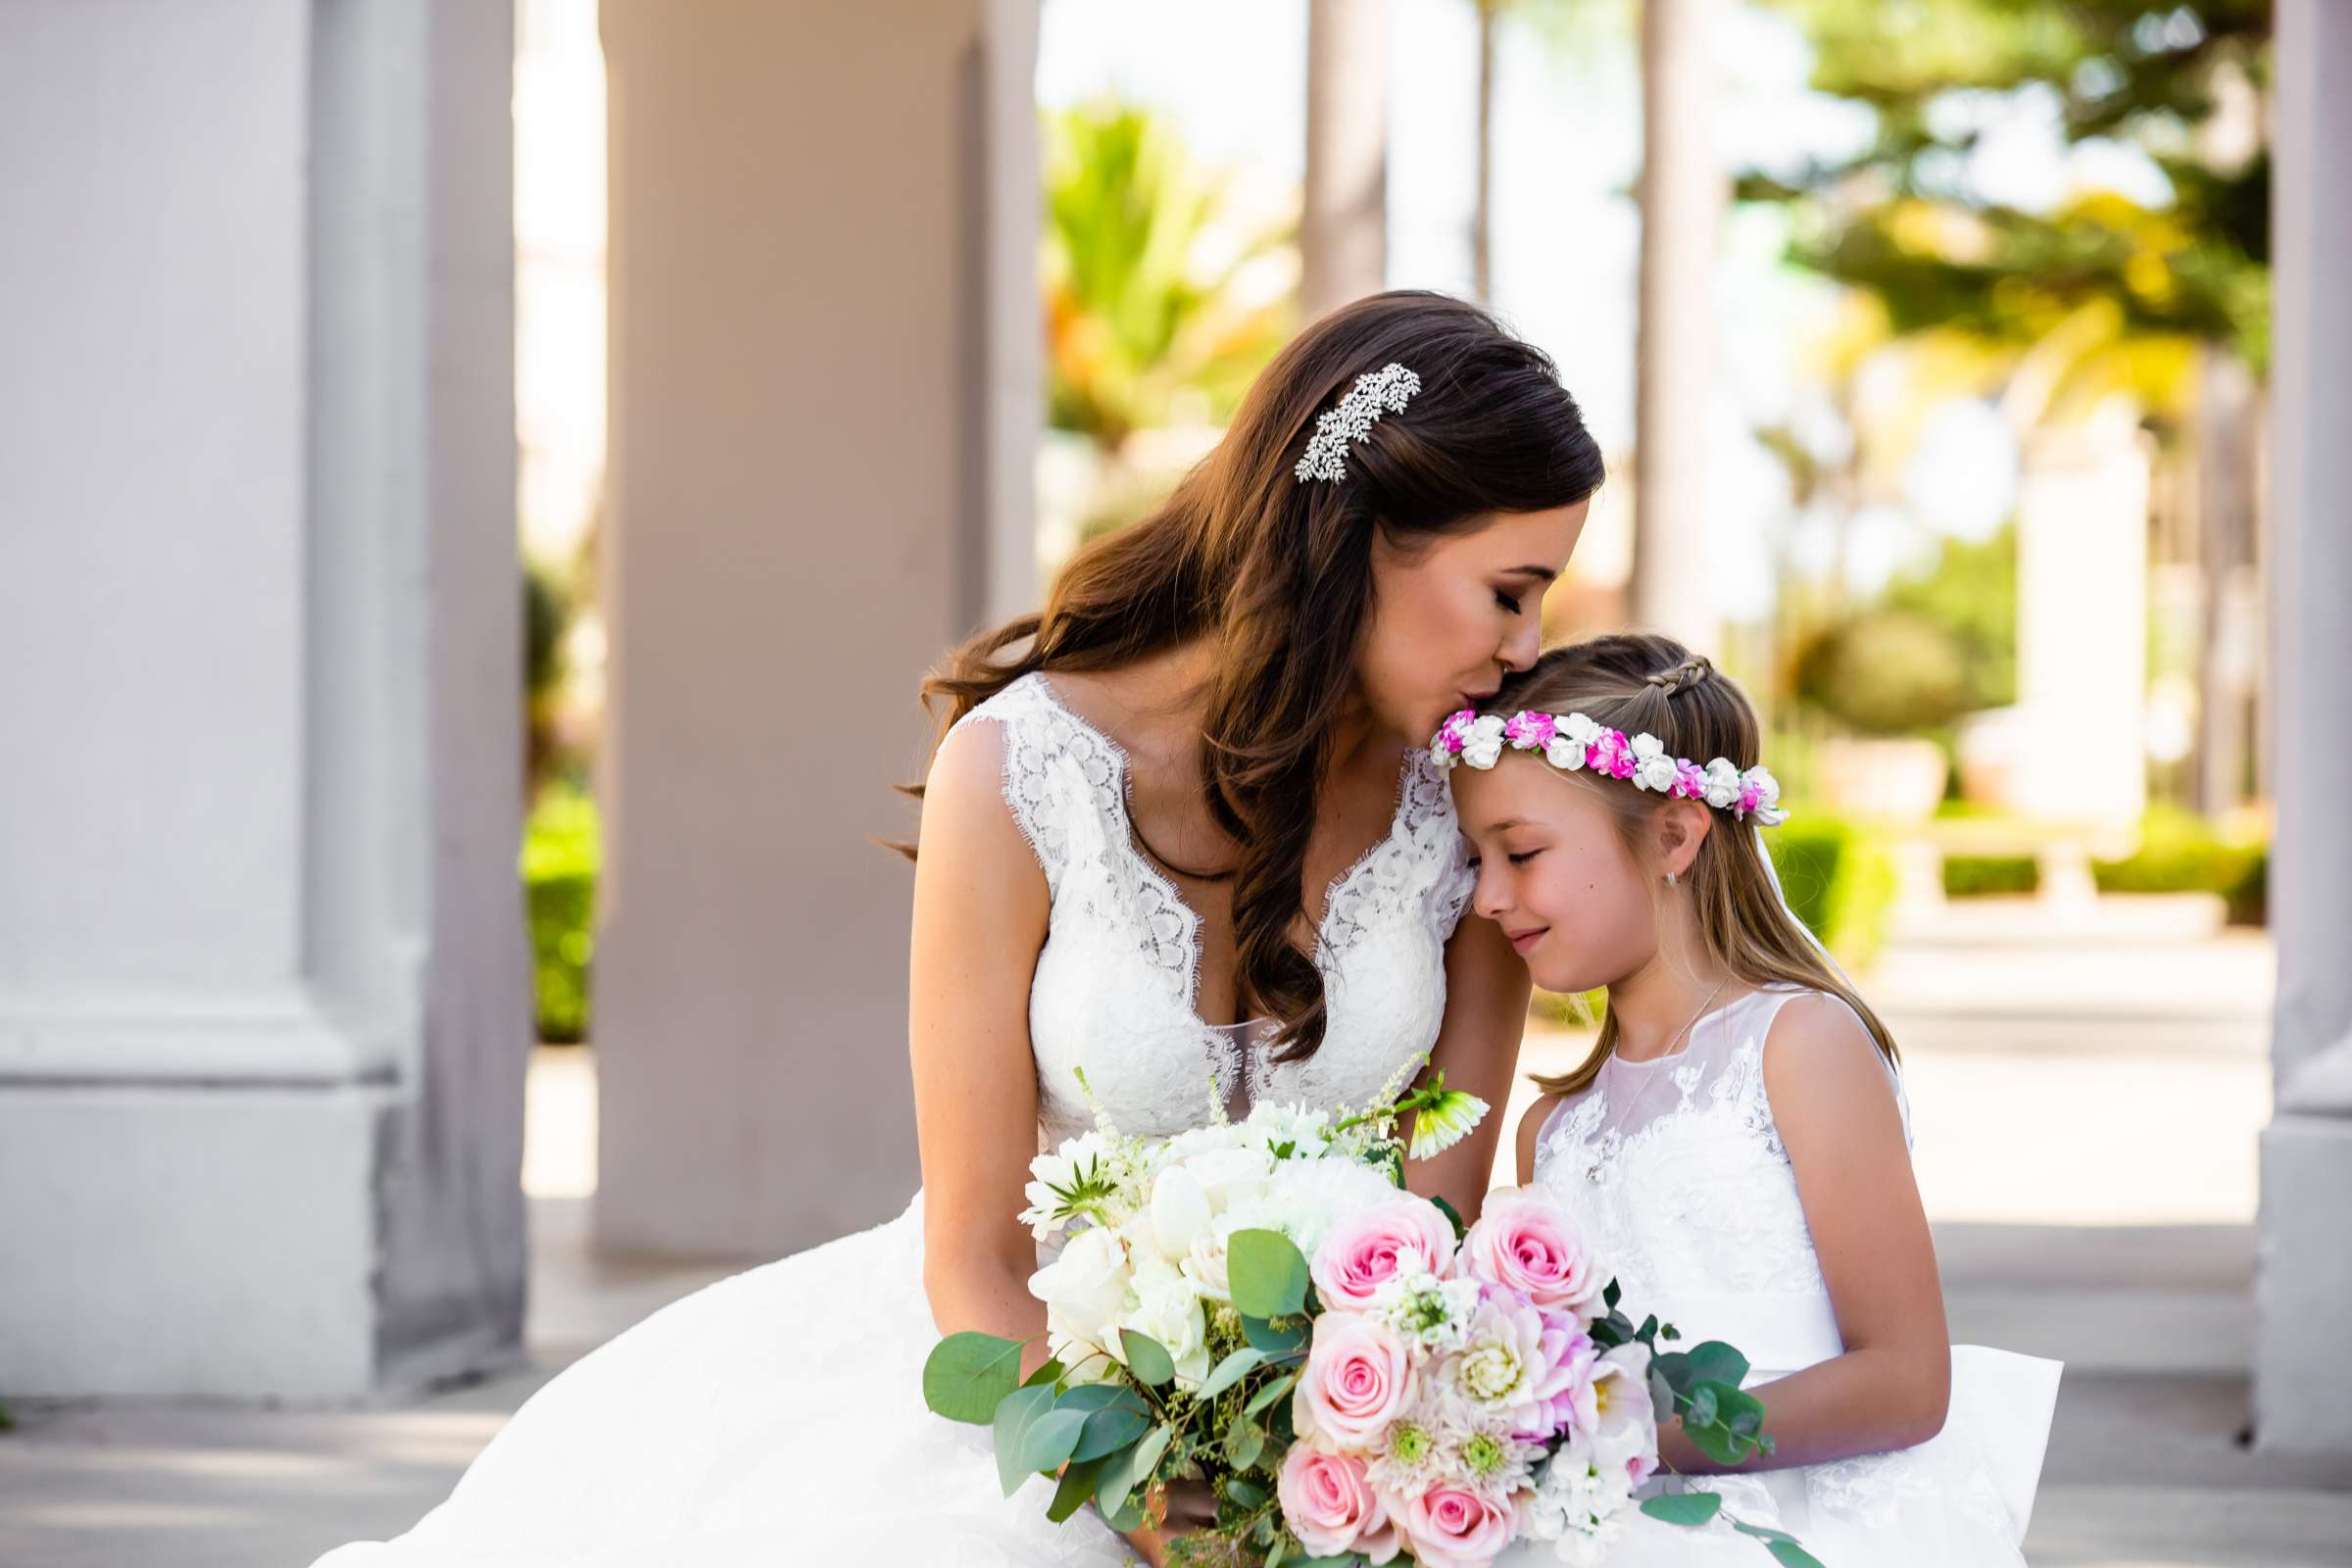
<point x="1615" y="1124"/>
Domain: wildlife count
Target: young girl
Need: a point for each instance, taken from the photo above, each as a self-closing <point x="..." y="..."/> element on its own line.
<point x="1737" y="1144"/>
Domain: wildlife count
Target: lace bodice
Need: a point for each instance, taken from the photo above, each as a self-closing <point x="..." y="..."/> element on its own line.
<point x="1675" y="1169"/>
<point x="1116" y="982"/>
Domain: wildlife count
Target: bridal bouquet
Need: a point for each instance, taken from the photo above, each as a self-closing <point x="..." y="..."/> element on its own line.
<point x="1258" y="1307"/>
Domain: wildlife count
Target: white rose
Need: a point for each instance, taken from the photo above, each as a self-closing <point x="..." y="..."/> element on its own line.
<point x="1655" y="773"/>
<point x="1646" y="746"/>
<point x="1580" y="729"/>
<point x="1169" y="1310"/>
<point x="1722" y="783"/>
<point x="1205" y="1265"/>
<point x="1086" y="1287"/>
<point x="1566" y="752"/>
<point x="1228" y="1174"/>
<point x="1482" y="746"/>
<point x="1179" y="1212"/>
<point x="1303" y="1197"/>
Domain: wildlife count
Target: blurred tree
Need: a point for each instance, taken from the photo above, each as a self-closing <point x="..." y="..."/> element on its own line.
<point x="1150" y="312"/>
<point x="2179" y="83"/>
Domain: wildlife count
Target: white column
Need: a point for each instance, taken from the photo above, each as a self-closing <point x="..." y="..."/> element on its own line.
<point x="2082" y="620"/>
<point x="2302" y="1385"/>
<point x="1682" y="191"/>
<point x="822" y="265"/>
<point x="263" y="985"/>
<point x="1343" y="230"/>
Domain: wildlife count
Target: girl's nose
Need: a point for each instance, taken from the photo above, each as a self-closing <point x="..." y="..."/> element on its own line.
<point x="1489" y="899"/>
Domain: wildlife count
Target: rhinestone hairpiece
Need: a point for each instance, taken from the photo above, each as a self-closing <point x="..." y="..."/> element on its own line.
<point x="1375" y="391"/>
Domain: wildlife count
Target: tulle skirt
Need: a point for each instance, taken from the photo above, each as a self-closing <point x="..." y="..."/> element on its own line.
<point x="773" y="1418"/>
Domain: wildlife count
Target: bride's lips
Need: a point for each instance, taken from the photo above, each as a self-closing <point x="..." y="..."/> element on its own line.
<point x="1521" y="941"/>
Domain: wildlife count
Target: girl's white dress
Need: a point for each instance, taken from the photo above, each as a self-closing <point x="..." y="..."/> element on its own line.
<point x="1676" y="1170"/>
<point x="776" y="1418"/>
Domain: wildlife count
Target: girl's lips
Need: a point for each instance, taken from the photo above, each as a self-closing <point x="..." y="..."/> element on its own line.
<point x="1521" y="941"/>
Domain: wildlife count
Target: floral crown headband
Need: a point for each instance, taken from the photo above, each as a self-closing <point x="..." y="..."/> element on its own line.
<point x="1573" y="743"/>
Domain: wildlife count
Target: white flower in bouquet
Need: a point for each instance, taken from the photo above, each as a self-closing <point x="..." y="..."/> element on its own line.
<point x="1624" y="1417"/>
<point x="1226" y="1174"/>
<point x="1087" y="1290"/>
<point x="1302" y="1197"/>
<point x="1290" y="1132"/>
<point x="1179" y="1214"/>
<point x="1431" y="1312"/>
<point x="1578" y="1507"/>
<point x="1168" y="1309"/>
<point x="1089" y="1177"/>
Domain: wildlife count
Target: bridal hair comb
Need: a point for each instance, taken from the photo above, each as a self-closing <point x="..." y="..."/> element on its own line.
<point x="1386" y="389"/>
<point x="1574" y="743"/>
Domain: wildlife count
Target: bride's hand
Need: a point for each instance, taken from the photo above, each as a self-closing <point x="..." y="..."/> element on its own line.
<point x="1191" y="1505"/>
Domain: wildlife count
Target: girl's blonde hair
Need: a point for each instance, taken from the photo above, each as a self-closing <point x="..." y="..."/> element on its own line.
<point x="1651" y="684"/>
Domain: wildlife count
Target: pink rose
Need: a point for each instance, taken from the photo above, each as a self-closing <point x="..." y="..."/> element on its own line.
<point x="1358" y="1376"/>
<point x="1528" y="1244"/>
<point x="1329" y="1505"/>
<point x="1454" y="1527"/>
<point x="1530" y="732"/>
<point x="1373" y="1245"/>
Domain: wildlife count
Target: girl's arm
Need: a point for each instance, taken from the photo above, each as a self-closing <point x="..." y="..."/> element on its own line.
<point x="1531" y="1129"/>
<point x="980" y="909"/>
<point x="1478" y="1048"/>
<point x="1838" y="1117"/>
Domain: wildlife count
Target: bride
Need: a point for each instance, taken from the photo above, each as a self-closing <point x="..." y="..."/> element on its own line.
<point x="1181" y="844"/>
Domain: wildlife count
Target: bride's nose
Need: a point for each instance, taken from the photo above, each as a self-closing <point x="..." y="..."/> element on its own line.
<point x="1520" y="650"/>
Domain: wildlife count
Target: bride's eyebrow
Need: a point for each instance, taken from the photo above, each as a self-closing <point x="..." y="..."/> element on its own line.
<point x="1540" y="573"/>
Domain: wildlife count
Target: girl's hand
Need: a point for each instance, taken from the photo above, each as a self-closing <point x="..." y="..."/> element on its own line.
<point x="1191" y="1505"/>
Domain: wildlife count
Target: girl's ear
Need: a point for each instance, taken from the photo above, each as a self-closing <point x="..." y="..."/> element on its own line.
<point x="1676" y="829"/>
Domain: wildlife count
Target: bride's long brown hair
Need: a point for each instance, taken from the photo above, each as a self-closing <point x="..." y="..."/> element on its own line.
<point x="1279" y="573"/>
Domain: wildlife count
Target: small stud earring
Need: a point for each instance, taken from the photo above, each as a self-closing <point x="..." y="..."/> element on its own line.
<point x="1672" y="879"/>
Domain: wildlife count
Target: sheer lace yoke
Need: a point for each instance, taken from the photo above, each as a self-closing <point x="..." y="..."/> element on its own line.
<point x="1117" y="984"/>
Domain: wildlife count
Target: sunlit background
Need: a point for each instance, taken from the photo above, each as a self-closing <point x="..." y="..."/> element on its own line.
<point x="1934" y="398"/>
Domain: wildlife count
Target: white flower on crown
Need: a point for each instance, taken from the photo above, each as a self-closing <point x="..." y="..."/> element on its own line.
<point x="1572" y="743"/>
<point x="1482" y="746"/>
<point x="1653" y="769"/>
<point x="1723" y="784"/>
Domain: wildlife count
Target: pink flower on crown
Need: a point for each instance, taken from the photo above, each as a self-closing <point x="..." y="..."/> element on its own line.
<point x="1612" y="754"/>
<point x="1690" y="781"/>
<point x="1457" y="725"/>
<point x="1531" y="731"/>
<point x="1750" y="796"/>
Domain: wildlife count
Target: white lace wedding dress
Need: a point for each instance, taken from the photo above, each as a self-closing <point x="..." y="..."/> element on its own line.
<point x="1675" y="1169"/>
<point x="776" y="1418"/>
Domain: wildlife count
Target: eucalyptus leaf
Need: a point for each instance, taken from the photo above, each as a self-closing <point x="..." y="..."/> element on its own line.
<point x="1230" y="1371"/>
<point x="1690" y="1508"/>
<point x="1763" y="1533"/>
<point x="1115" y="1480"/>
<point x="1076" y="1487"/>
<point x="1046" y="1440"/>
<point x="1126" y="1517"/>
<point x="1270" y="1392"/>
<point x="1244" y="1494"/>
<point x="1714" y="1361"/>
<point x="1266" y="1274"/>
<point x="1453" y="1217"/>
<point x="1275" y="1342"/>
<point x="1790" y="1554"/>
<point x="1015" y="1414"/>
<point x="1245" y="1440"/>
<point x="967" y="1375"/>
<point x="1146" y="1357"/>
<point x="1110" y="1429"/>
<point x="1051" y="1372"/>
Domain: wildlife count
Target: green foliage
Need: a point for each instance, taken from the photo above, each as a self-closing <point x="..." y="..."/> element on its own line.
<point x="1267" y="1274"/>
<point x="560" y="861"/>
<point x="1978" y="876"/>
<point x="967" y="1375"/>
<point x="1839" y="879"/>
<point x="1936" y="644"/>
<point x="1147" y="304"/>
<point x="2181" y="852"/>
<point x="1899" y="220"/>
<point x="1684" y="1507"/>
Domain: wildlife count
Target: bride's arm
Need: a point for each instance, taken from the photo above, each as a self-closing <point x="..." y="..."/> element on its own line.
<point x="980" y="909"/>
<point x="1478" y="1048"/>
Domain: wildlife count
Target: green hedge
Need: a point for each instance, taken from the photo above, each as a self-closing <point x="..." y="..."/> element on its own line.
<point x="1840" y="878"/>
<point x="561" y="857"/>
<point x="1977" y="876"/>
<point x="2181" y="852"/>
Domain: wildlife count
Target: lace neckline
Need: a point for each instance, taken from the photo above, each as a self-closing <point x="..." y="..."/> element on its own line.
<point x="1689" y="1033"/>
<point x="1122" y="765"/>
